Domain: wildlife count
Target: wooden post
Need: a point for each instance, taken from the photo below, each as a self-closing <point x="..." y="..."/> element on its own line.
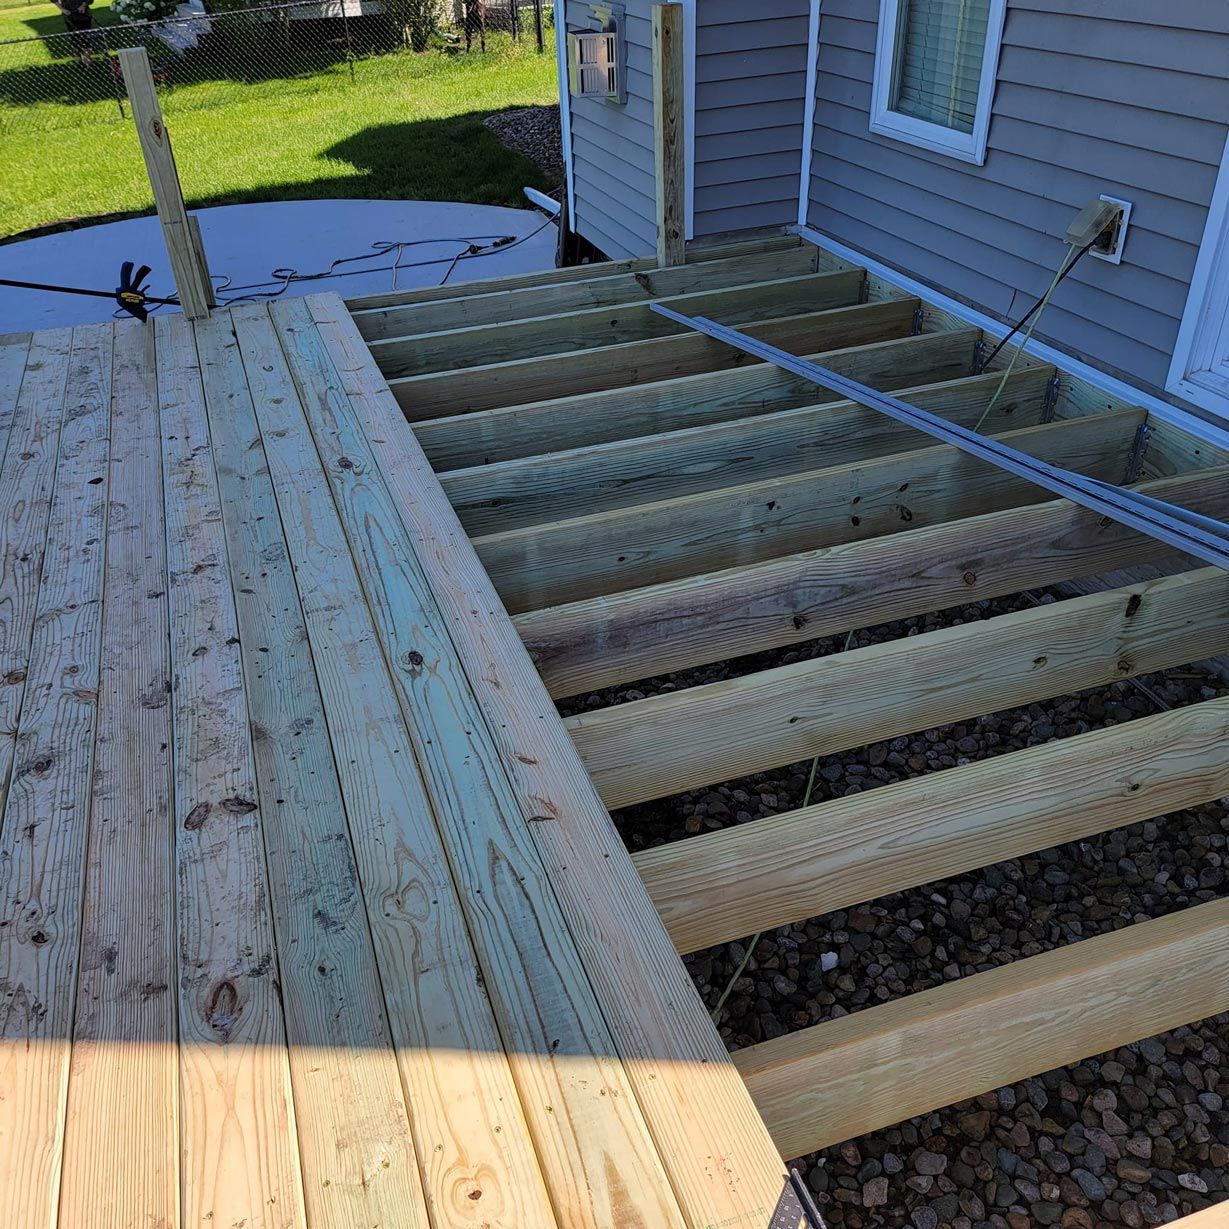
<point x="668" y="106"/>
<point x="187" y="265"/>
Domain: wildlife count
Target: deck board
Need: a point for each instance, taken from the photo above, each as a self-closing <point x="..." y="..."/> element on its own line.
<point x="279" y="944"/>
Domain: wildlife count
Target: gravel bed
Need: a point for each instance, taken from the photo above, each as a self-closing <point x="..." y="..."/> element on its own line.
<point x="534" y="132"/>
<point x="1137" y="1137"/>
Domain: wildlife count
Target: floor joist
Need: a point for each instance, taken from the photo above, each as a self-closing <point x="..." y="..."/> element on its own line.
<point x="627" y="548"/>
<point x="684" y="739"/>
<point x="640" y="362"/>
<point x="784" y="868"/>
<point x="515" y="494"/>
<point x="498" y="306"/>
<point x="698" y="252"/>
<point x="518" y="431"/>
<point x="622" y="637"/>
<point x="859" y="1073"/>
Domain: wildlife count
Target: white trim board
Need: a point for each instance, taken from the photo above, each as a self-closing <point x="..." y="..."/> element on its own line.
<point x="808" y="115"/>
<point x="1207" y="303"/>
<point x="565" y="103"/>
<point x="965" y="146"/>
<point x="1172" y="414"/>
<point x="689" y="118"/>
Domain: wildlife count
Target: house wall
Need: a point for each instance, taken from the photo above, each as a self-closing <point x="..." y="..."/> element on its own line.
<point x="612" y="147"/>
<point x="1125" y="97"/>
<point x="751" y="68"/>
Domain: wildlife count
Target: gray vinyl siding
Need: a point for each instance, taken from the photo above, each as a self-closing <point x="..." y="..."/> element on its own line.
<point x="751" y="69"/>
<point x="1125" y="97"/>
<point x="612" y="148"/>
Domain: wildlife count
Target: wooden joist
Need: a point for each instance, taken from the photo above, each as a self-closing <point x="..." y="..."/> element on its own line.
<point x="724" y="885"/>
<point x="639" y="362"/>
<point x="514" y="494"/>
<point x="696" y="1106"/>
<point x="517" y="431"/>
<point x="626" y="548"/>
<point x="537" y="336"/>
<point x="698" y="252"/>
<point x="856" y="1074"/>
<point x="496" y="306"/>
<point x="721" y="731"/>
<point x="643" y="632"/>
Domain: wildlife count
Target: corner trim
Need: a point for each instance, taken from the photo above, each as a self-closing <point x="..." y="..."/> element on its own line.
<point x="689" y="118"/>
<point x="1172" y="414"/>
<point x="808" y="115"/>
<point x="565" y="103"/>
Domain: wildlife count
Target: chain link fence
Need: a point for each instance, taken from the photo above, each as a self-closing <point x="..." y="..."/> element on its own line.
<point x="202" y="52"/>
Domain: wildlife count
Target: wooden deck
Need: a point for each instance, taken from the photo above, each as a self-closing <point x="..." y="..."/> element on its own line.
<point x="312" y="913"/>
<point x="291" y="934"/>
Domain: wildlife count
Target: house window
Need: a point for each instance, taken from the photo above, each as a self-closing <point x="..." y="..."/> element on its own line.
<point x="935" y="66"/>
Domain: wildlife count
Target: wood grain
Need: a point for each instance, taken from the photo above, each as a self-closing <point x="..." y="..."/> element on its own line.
<point x="472" y="1142"/>
<point x="783" y="868"/>
<point x="491" y="436"/>
<point x="669" y="110"/>
<point x="240" y="1161"/>
<point x="597" y="1157"/>
<point x="683" y="739"/>
<point x="721" y="1163"/>
<point x="699" y="619"/>
<point x="580" y="482"/>
<point x="121" y="1149"/>
<point x="573" y="331"/>
<point x="626" y="548"/>
<point x="701" y="251"/>
<point x="860" y="1073"/>
<point x="495" y="306"/>
<point x="46" y="811"/>
<point x="358" y="1160"/>
<point x="638" y="362"/>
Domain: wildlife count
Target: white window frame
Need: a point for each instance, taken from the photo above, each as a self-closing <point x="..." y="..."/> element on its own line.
<point x="1207" y="305"/>
<point x="966" y="146"/>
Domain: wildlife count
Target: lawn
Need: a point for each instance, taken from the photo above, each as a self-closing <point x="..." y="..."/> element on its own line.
<point x="252" y="120"/>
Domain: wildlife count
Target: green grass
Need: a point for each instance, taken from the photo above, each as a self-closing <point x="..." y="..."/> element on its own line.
<point x="253" y="122"/>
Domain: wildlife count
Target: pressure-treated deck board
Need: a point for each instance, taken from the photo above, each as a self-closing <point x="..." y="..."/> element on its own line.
<point x="541" y="335"/>
<point x="783" y="868"/>
<point x="721" y="1163"/>
<point x="121" y="1147"/>
<point x="26" y="482"/>
<point x="495" y="306"/>
<point x="237" y="1127"/>
<point x="343" y="1071"/>
<point x="620" y="637"/>
<point x="473" y="1144"/>
<point x="626" y="548"/>
<point x="46" y="811"/>
<point x="488" y="437"/>
<point x="446" y="393"/>
<point x="852" y="1075"/>
<point x="514" y="494"/>
<point x="598" y="1158"/>
<point x="13" y="357"/>
<point x="679" y="740"/>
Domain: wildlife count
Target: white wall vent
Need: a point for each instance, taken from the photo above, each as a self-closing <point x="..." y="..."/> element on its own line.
<point x="594" y="70"/>
<point x="597" y="55"/>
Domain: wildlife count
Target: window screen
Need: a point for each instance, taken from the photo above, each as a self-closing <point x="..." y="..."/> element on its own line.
<point x="939" y="49"/>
